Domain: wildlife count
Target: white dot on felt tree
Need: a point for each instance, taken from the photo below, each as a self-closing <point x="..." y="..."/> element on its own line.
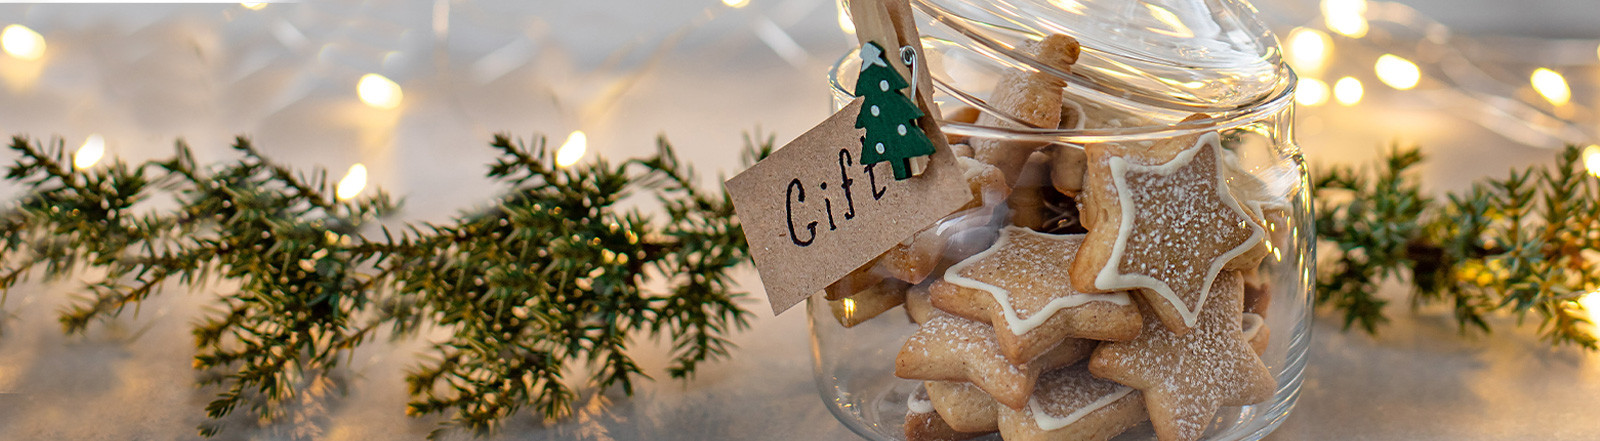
<point x="879" y="148"/>
<point x="883" y="84"/>
<point x="902" y="130"/>
<point x="874" y="110"/>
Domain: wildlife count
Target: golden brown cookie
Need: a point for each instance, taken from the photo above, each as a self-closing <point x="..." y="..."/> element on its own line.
<point x="1032" y="98"/>
<point x="1018" y="286"/>
<point x="1162" y="221"/>
<point x="1068" y="164"/>
<point x="1249" y="189"/>
<point x="964" y="406"/>
<point x="987" y="183"/>
<point x="924" y="424"/>
<point x="1256" y="332"/>
<point x="964" y="115"/>
<point x="1035" y="203"/>
<point x="1257" y="294"/>
<point x="868" y="303"/>
<point x="919" y="303"/>
<point x="913" y="260"/>
<point x="1071" y="405"/>
<point x="861" y="279"/>
<point x="1187" y="377"/>
<point x="1027" y="202"/>
<point x="951" y="348"/>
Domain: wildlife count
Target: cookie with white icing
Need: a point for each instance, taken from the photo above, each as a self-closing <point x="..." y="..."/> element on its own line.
<point x="951" y="348"/>
<point x="913" y="260"/>
<point x="1071" y="405"/>
<point x="1019" y="286"/>
<point x="924" y="424"/>
<point x="964" y="406"/>
<point x="1186" y="377"/>
<point x="1162" y="221"/>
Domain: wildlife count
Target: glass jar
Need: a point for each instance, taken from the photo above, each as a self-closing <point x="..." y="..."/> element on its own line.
<point x="1145" y="68"/>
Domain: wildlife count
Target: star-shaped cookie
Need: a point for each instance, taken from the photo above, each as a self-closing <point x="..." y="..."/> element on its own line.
<point x="1072" y="405"/>
<point x="1161" y="219"/>
<point x="1016" y="285"/>
<point x="924" y="424"/>
<point x="1186" y="377"/>
<point x="951" y="348"/>
<point x="964" y="406"/>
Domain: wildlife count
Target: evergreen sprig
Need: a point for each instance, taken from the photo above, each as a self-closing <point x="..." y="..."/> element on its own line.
<point x="1523" y="244"/>
<point x="549" y="279"/>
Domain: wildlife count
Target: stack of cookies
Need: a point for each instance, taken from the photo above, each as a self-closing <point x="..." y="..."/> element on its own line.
<point x="1084" y="291"/>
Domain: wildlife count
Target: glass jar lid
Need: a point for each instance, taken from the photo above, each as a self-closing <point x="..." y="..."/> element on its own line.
<point x="1178" y="56"/>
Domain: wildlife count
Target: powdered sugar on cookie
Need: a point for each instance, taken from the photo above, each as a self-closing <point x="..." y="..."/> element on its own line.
<point x="1036" y="262"/>
<point x="1179" y="227"/>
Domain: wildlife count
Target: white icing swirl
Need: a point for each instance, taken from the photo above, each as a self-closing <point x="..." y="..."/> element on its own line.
<point x="1002" y="296"/>
<point x="1112" y="278"/>
<point x="1051" y="422"/>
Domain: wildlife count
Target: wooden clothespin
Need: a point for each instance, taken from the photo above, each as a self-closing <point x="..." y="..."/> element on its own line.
<point x="826" y="204"/>
<point x="887" y="25"/>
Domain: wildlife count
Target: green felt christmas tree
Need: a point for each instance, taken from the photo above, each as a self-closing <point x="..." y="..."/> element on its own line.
<point x="889" y="117"/>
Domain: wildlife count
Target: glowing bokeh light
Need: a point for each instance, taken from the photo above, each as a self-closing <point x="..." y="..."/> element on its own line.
<point x="572" y="150"/>
<point x="378" y="91"/>
<point x="1347" y="91"/>
<point x="354" y="181"/>
<point x="1591" y="159"/>
<point x="1347" y="17"/>
<point x="254" y="6"/>
<point x="1311" y="92"/>
<point x="90" y="153"/>
<point x="21" y="42"/>
<point x="1591" y="306"/>
<point x="1397" y="72"/>
<point x="1551" y="85"/>
<point x="736" y="3"/>
<point x="1309" y="50"/>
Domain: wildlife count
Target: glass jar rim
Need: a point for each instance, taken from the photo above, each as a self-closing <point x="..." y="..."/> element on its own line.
<point x="1272" y="103"/>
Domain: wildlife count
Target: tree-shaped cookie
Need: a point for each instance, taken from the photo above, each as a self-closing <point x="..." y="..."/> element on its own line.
<point x="888" y="115"/>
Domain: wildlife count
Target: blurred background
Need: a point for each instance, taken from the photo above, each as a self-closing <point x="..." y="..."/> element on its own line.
<point x="413" y="89"/>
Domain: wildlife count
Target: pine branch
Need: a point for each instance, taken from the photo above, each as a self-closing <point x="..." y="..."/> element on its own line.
<point x="1521" y="245"/>
<point x="548" y="279"/>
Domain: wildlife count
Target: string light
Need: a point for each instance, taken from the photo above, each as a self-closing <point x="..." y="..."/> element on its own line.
<point x="1347" y="91"/>
<point x="21" y="42"/>
<point x="1591" y="159"/>
<point x="378" y="91"/>
<point x="1397" y="72"/>
<point x="572" y="150"/>
<point x="1311" y="92"/>
<point x="1347" y="17"/>
<point x="90" y="153"/>
<point x="354" y="181"/>
<point x="1591" y="305"/>
<point x="736" y="4"/>
<point x="1551" y="85"/>
<point x="1308" y="50"/>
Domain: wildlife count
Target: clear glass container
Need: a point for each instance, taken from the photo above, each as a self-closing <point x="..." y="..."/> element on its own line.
<point x="1145" y="67"/>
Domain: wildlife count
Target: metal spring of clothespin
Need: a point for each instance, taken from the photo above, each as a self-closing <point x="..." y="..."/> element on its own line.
<point x="908" y="55"/>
